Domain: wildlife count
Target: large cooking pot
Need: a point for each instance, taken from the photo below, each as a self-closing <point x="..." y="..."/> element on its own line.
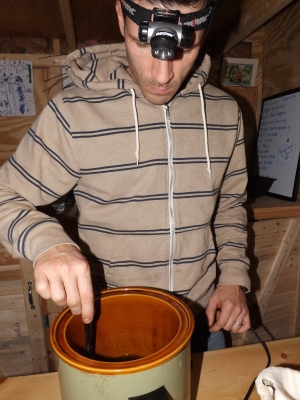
<point x="142" y="348"/>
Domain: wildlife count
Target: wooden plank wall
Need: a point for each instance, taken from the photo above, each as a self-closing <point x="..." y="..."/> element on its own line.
<point x="281" y="52"/>
<point x="276" y="45"/>
<point x="21" y="342"/>
<point x="280" y="319"/>
<point x="257" y="42"/>
<point x="15" y="352"/>
<point x="252" y="47"/>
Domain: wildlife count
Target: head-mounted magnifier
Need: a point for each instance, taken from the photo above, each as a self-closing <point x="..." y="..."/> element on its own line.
<point x="166" y="30"/>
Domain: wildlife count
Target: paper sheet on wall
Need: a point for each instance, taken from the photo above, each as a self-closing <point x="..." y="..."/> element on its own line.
<point x="16" y="89"/>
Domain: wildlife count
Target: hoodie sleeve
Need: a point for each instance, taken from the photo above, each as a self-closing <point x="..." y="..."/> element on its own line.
<point x="42" y="169"/>
<point x="231" y="219"/>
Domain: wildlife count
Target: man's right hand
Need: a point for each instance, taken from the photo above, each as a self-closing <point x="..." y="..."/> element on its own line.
<point x="63" y="274"/>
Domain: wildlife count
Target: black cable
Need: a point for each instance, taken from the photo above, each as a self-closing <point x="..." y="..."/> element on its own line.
<point x="268" y="363"/>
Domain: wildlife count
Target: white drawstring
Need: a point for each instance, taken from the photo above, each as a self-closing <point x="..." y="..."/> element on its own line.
<point x="205" y="130"/>
<point x="137" y="142"/>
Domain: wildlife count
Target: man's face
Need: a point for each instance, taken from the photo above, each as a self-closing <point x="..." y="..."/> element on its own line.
<point x="159" y="80"/>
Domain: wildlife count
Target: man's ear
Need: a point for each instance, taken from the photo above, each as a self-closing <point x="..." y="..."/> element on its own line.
<point x="120" y="17"/>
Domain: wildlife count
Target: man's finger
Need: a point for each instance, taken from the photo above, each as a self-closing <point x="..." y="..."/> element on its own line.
<point x="220" y="322"/>
<point x="41" y="285"/>
<point x="211" y="313"/>
<point x="86" y="293"/>
<point x="237" y="325"/>
<point x="246" y="324"/>
<point x="58" y="292"/>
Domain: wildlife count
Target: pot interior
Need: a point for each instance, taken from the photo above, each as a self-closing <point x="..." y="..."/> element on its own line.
<point x="128" y="327"/>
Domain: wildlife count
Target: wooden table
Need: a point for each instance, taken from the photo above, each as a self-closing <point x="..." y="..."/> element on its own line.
<point x="217" y="375"/>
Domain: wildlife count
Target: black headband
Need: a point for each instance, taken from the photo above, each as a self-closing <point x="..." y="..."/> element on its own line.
<point x="197" y="20"/>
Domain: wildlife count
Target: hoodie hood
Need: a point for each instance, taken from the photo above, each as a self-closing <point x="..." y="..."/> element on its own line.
<point x="104" y="66"/>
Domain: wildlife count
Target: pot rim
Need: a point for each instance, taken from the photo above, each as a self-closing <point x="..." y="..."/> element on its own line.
<point x="174" y="347"/>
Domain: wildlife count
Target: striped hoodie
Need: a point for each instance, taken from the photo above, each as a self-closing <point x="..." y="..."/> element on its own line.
<point x="159" y="188"/>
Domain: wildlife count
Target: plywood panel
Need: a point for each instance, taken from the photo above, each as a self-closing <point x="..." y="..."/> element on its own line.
<point x="281" y="52"/>
<point x="248" y="22"/>
<point x="296" y="331"/>
<point x="287" y="286"/>
<point x="14" y="287"/>
<point x="288" y="297"/>
<point x="9" y="272"/>
<point x="34" y="319"/>
<point x="221" y="24"/>
<point x="100" y="24"/>
<point x="18" y="19"/>
<point x="11" y="302"/>
<point x="14" y="351"/>
<point x="280" y="311"/>
<point x="287" y="282"/>
<point x="267" y="227"/>
<point x="93" y="19"/>
<point x="282" y="332"/>
<point x="52" y="310"/>
<point x="16" y="329"/>
<point x="19" y="323"/>
<point x="267" y="253"/>
<point x="6" y="259"/>
<point x="10" y="316"/>
<point x="257" y="41"/>
<point x="266" y="240"/>
<point x="250" y="105"/>
<point x="16" y="370"/>
<point x="276" y="323"/>
<point x="246" y="98"/>
<point x="262" y="267"/>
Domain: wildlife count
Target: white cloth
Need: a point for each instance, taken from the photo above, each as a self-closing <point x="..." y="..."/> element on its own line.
<point x="278" y="383"/>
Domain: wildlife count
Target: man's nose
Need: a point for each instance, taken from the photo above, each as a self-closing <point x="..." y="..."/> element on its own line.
<point x="162" y="70"/>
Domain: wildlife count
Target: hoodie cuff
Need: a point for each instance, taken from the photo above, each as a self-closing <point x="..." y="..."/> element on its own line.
<point x="236" y="275"/>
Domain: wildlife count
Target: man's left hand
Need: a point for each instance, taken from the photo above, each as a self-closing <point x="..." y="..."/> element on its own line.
<point x="227" y="309"/>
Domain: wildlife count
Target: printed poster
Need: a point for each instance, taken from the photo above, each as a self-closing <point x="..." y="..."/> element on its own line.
<point x="16" y="89"/>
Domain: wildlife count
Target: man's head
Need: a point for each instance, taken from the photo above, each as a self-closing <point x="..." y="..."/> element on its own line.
<point x="160" y="79"/>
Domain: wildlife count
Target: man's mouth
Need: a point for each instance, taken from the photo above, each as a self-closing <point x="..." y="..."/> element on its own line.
<point x="159" y="90"/>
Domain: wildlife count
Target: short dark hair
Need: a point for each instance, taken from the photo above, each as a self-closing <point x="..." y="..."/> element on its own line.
<point x="173" y="3"/>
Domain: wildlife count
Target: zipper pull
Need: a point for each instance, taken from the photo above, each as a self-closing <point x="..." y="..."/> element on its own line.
<point x="167" y="111"/>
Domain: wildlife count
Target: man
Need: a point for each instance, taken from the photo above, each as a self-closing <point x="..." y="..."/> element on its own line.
<point x="158" y="171"/>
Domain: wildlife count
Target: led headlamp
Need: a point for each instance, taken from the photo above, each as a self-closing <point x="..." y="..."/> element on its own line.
<point x="168" y="29"/>
<point x="164" y="34"/>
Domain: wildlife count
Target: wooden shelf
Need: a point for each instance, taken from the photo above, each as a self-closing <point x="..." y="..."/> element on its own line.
<point x="269" y="207"/>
